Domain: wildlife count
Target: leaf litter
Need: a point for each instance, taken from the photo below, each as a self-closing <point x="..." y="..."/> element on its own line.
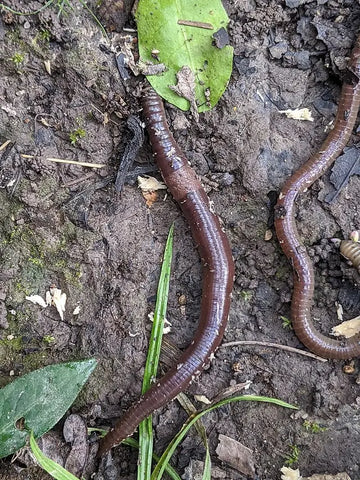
<point x="55" y="297"/>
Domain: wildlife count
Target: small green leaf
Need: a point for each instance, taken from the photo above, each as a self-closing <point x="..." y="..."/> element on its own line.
<point x="39" y="399"/>
<point x="51" y="467"/>
<point x="179" y="45"/>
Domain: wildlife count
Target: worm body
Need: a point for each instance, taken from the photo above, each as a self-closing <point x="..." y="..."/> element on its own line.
<point x="286" y="229"/>
<point x="351" y="251"/>
<point x="218" y="272"/>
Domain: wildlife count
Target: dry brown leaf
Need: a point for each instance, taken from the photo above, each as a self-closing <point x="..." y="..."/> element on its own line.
<point x="236" y="455"/>
<point x="150" y="197"/>
<point x="347" y="329"/>
<point x="185" y="88"/>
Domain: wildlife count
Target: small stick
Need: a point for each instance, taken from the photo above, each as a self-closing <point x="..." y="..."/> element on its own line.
<point x="190" y="23"/>
<point x="274" y="345"/>
<point x="71" y="162"/>
<point x="4" y="145"/>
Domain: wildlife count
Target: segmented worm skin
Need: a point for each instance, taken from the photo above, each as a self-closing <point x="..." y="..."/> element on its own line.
<point x="285" y="220"/>
<point x="218" y="272"/>
<point x="351" y="251"/>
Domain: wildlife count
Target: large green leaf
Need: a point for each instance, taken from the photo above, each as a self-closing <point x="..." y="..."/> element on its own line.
<point x="40" y="398"/>
<point x="181" y="45"/>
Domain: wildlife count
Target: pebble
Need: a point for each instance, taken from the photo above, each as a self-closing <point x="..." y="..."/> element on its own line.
<point x="278" y="50"/>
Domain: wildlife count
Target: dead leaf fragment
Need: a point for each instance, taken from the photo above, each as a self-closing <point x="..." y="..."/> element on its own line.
<point x="150" y="184"/>
<point x="347" y="329"/>
<point x="202" y="399"/>
<point x="148" y="68"/>
<point x="299" y="114"/>
<point x="47" y="66"/>
<point x="185" y="88"/>
<point x="236" y="455"/>
<point x="268" y="235"/>
<point x="150" y="197"/>
<point x="37" y="299"/>
<point x="290" y="474"/>
<point x="167" y="324"/>
<point x="55" y="297"/>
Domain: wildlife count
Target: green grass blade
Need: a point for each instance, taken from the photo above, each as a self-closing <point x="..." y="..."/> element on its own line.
<point x="164" y="460"/>
<point x="207" y="466"/>
<point x="95" y="18"/>
<point x="51" y="467"/>
<point x="191" y="410"/>
<point x="16" y="12"/>
<point x="152" y="361"/>
<point x="131" y="442"/>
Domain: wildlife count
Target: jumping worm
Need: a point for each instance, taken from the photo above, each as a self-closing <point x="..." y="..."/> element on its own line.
<point x="286" y="229"/>
<point x="218" y="272"/>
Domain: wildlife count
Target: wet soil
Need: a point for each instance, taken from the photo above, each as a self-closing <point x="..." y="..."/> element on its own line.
<point x="66" y="225"/>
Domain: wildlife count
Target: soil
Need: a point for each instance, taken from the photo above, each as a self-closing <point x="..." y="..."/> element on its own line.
<point x="66" y="225"/>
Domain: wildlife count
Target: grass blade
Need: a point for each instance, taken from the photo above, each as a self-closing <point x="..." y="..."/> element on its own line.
<point x="16" y="12"/>
<point x="51" y="467"/>
<point x="191" y="410"/>
<point x="164" y="460"/>
<point x="131" y="442"/>
<point x="95" y="18"/>
<point x="152" y="361"/>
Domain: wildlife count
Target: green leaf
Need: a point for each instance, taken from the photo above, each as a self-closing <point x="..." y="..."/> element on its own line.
<point x="40" y="398"/>
<point x="182" y="45"/>
<point x="165" y="457"/>
<point x="51" y="467"/>
<point x="152" y="360"/>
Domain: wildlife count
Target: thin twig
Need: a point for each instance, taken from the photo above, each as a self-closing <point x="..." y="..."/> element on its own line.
<point x="4" y="145"/>
<point x="70" y="162"/>
<point x="274" y="345"/>
<point x="191" y="23"/>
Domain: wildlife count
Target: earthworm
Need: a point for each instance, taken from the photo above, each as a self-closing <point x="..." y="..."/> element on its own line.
<point x="217" y="265"/>
<point x="351" y="251"/>
<point x="286" y="229"/>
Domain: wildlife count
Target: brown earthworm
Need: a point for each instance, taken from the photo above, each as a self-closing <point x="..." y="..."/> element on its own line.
<point x="218" y="272"/>
<point x="351" y="251"/>
<point x="286" y="229"/>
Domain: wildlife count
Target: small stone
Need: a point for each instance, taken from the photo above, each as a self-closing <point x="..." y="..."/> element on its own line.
<point x="182" y="299"/>
<point x="300" y="60"/>
<point x="278" y="50"/>
<point x="268" y="235"/>
<point x="221" y="38"/>
<point x="27" y="25"/>
<point x="294" y="3"/>
<point x="325" y="107"/>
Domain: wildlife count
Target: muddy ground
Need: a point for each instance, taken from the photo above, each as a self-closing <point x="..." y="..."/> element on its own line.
<point x="66" y="225"/>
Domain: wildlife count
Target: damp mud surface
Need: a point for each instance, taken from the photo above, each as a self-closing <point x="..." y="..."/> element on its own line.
<point x="61" y="96"/>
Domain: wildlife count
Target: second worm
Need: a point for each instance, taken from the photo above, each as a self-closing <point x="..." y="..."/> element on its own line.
<point x="286" y="229"/>
<point x="218" y="272"/>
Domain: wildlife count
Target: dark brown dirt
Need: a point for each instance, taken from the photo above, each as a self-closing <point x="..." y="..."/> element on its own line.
<point x="104" y="249"/>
